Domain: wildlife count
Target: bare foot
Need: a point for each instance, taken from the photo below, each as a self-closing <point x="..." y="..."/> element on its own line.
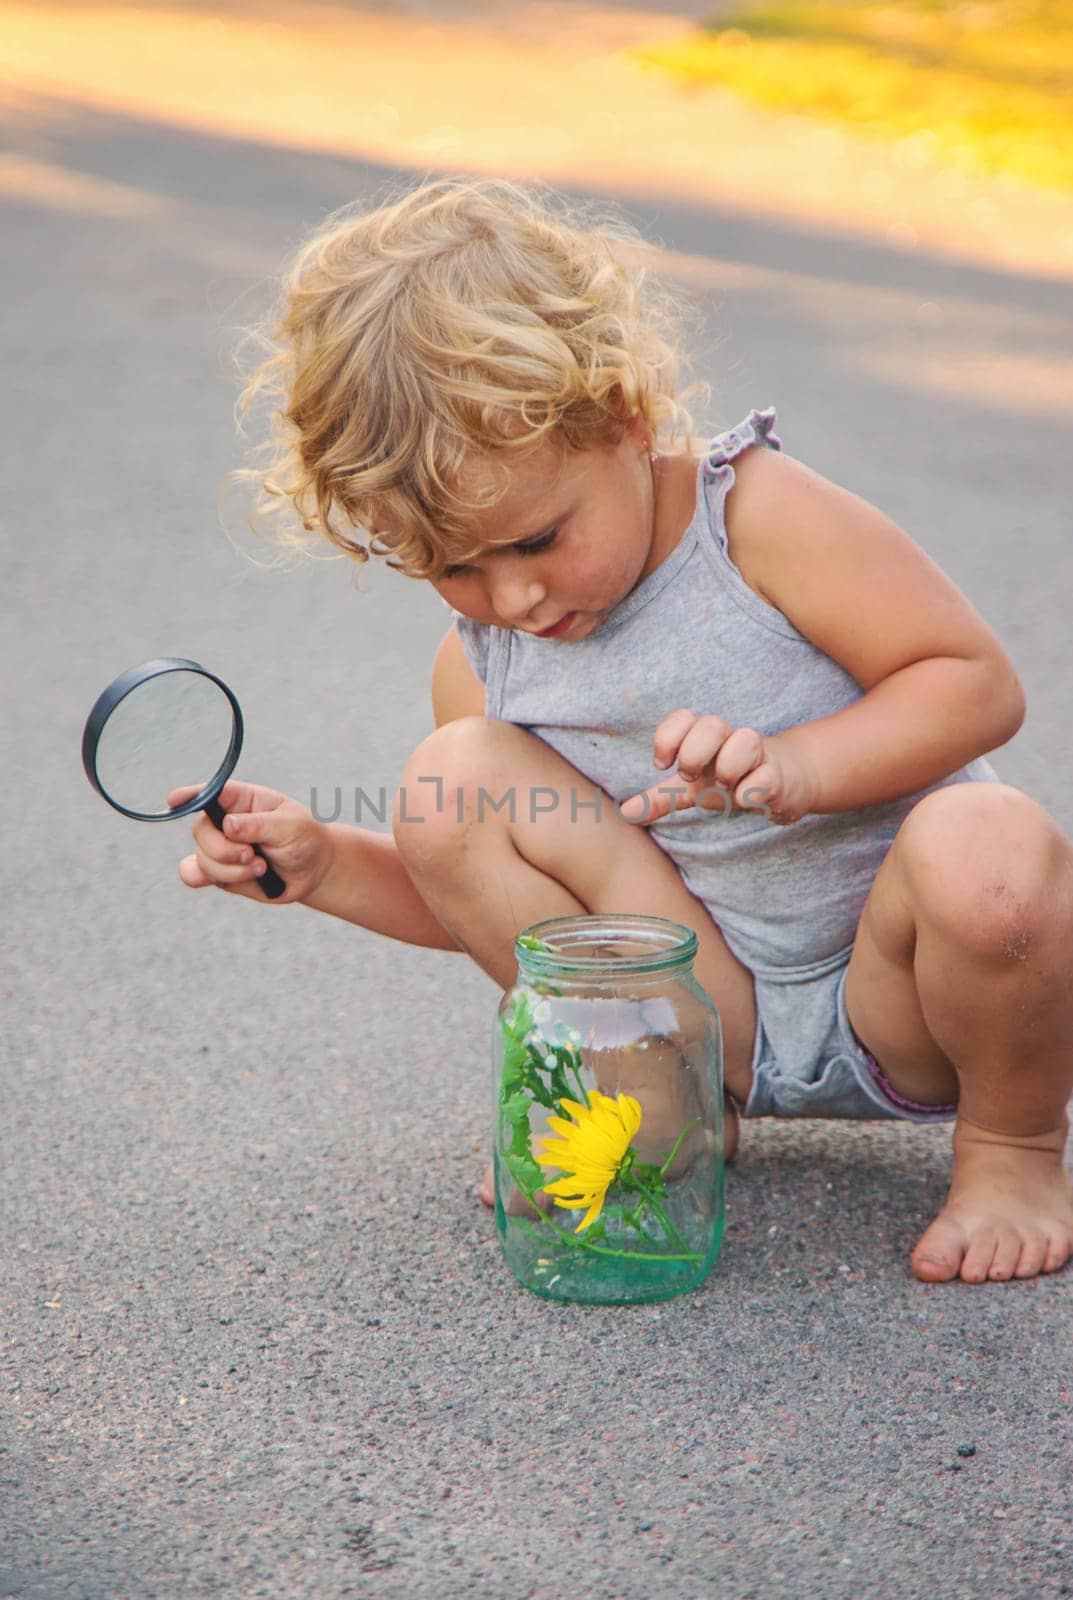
<point x="486" y="1194"/>
<point x="731" y="1131"/>
<point x="487" y="1191"/>
<point x="1009" y="1213"/>
<point x="517" y="1205"/>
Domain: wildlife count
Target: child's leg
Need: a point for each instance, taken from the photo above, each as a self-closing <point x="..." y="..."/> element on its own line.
<point x="961" y="985"/>
<point x="492" y="873"/>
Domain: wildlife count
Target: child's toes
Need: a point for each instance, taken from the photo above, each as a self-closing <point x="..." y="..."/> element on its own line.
<point x="1059" y="1249"/>
<point x="1033" y="1253"/>
<point x="980" y="1254"/>
<point x="518" y="1206"/>
<point x="940" y="1251"/>
<point x="1007" y="1253"/>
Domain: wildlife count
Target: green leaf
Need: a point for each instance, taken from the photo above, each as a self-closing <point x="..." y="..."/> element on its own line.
<point x="540" y="1092"/>
<point x="516" y="1107"/>
<point x="650" y="1175"/>
<point x="520" y="1021"/>
<point x="561" y="1090"/>
<point x="525" y="1172"/>
<point x="512" y="1079"/>
<point x="520" y="1137"/>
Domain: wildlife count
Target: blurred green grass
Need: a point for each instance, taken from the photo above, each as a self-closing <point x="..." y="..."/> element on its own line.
<point x="986" y="86"/>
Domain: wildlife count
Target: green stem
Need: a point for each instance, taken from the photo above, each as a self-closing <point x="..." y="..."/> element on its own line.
<point x="583" y="1093"/>
<point x="664" y="1220"/>
<point x="598" y="1250"/>
<point x="677" y="1145"/>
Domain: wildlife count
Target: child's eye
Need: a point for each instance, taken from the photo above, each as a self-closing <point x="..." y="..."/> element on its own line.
<point x="545" y="542"/>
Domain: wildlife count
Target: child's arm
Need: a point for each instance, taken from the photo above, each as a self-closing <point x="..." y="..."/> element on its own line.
<point x="348" y="872"/>
<point x="940" y="689"/>
<point x="368" y="884"/>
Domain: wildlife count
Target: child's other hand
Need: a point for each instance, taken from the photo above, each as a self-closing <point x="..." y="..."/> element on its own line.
<point x="294" y="842"/>
<point x="720" y="769"/>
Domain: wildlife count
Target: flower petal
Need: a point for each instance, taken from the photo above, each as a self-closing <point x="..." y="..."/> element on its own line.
<point x="571" y="1106"/>
<point x="560" y="1124"/>
<point x="574" y="1202"/>
<point x="588" y="1151"/>
<point x="591" y="1214"/>
<point x="630" y="1111"/>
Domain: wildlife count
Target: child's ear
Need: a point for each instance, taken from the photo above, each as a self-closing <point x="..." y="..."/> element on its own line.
<point x="639" y="432"/>
<point x="636" y="426"/>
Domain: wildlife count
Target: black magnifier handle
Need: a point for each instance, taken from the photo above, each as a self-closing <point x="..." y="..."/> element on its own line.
<point x="270" y="881"/>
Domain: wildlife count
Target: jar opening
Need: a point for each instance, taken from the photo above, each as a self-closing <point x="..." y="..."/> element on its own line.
<point x="613" y="941"/>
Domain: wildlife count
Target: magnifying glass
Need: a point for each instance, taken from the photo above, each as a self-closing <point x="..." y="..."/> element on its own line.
<point x="152" y="728"/>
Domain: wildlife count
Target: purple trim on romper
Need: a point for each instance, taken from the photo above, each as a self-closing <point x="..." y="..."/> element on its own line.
<point x="897" y="1099"/>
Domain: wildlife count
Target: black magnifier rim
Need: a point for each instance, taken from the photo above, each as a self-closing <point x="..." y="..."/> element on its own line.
<point x="118" y="690"/>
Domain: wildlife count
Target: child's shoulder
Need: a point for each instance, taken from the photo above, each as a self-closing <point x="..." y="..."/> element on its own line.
<point x="798" y="539"/>
<point x="760" y="490"/>
<point x="842" y="572"/>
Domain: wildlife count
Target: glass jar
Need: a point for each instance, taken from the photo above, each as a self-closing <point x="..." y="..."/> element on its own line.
<point x="608" y="1082"/>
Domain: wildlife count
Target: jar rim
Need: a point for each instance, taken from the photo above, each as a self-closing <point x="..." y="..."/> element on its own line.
<point x="671" y="944"/>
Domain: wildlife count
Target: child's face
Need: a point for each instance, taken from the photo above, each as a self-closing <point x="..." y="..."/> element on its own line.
<point x="594" y="512"/>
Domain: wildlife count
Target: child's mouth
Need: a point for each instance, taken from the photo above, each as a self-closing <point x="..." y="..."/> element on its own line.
<point x="559" y="627"/>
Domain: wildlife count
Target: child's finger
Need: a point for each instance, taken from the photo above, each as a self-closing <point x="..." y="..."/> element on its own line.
<point x="658" y="802"/>
<point x="756" y="790"/>
<point x="179" y="797"/>
<point x="246" y="798"/>
<point x="191" y="874"/>
<point x="234" y="796"/>
<point x="237" y="796"/>
<point x="217" y="847"/>
<point x="224" y="872"/>
<point x="702" y="744"/>
<point x="741" y="754"/>
<point x="252" y="827"/>
<point x="669" y="735"/>
<point x="225" y="875"/>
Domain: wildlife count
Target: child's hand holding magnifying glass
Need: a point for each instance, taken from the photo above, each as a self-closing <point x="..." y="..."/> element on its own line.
<point x="293" y="842"/>
<point x="169" y="717"/>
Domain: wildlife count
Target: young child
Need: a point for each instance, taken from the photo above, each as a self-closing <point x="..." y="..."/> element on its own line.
<point x="482" y="384"/>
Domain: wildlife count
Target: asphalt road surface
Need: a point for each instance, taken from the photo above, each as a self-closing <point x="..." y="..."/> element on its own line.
<point x="256" y="1338"/>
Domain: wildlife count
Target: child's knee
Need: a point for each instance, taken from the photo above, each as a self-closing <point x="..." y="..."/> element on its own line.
<point x="982" y="862"/>
<point x="481" y="770"/>
<point x="461" y="775"/>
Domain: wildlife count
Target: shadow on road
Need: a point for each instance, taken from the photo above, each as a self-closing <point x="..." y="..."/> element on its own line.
<point x="192" y="168"/>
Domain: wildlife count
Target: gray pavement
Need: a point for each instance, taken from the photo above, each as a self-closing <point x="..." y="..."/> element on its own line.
<point x="255" y="1335"/>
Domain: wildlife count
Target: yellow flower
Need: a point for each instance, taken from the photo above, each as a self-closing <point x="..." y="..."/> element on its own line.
<point x="591" y="1149"/>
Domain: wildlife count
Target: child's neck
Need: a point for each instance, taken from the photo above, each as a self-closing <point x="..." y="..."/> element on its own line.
<point x="674" y="481"/>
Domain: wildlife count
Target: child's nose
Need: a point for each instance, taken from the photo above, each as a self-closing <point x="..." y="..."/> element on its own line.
<point x="516" y="596"/>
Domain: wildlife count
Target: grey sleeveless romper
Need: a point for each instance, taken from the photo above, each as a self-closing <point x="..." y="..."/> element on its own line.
<point x="787" y="899"/>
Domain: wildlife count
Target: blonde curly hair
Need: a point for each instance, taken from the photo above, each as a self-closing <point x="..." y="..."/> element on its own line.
<point x="466" y="315"/>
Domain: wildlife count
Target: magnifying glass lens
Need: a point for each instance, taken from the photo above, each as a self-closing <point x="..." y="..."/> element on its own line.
<point x="172" y="729"/>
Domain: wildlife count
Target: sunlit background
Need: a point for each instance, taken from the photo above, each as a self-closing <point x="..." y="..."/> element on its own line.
<point x="932" y="124"/>
<point x="978" y="86"/>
